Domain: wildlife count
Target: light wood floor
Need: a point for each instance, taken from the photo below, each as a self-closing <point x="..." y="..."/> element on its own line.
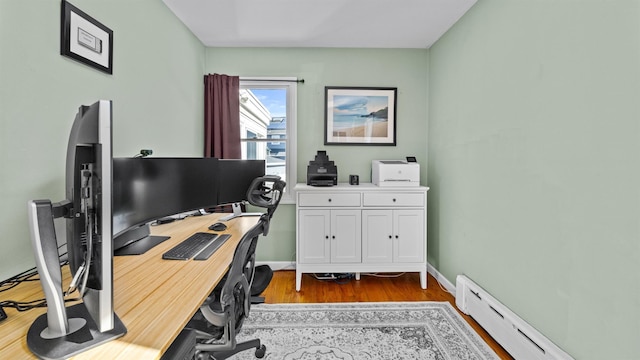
<point x="405" y="287"/>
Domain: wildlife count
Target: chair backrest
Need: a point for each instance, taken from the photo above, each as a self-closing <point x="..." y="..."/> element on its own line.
<point x="237" y="287"/>
<point x="264" y="192"/>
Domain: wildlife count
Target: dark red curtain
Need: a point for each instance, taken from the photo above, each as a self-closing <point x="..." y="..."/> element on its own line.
<point x="222" y="116"/>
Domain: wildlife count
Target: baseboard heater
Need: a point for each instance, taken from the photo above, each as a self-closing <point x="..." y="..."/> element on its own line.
<point x="515" y="335"/>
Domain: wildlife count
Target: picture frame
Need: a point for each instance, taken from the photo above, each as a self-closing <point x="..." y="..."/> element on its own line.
<point x="85" y="39"/>
<point x="360" y="115"/>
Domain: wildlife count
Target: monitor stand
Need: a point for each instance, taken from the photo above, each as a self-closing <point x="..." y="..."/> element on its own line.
<point x="137" y="241"/>
<point x="62" y="331"/>
<point x="83" y="334"/>
<point x="237" y="212"/>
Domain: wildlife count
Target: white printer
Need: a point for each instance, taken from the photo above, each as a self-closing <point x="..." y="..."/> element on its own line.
<point x="395" y="173"/>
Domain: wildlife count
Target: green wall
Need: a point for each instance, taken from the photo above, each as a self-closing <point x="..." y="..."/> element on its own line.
<point x="533" y="140"/>
<point x="405" y="69"/>
<point x="534" y="146"/>
<point x="156" y="88"/>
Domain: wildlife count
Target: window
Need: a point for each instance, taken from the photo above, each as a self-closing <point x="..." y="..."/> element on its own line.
<point x="252" y="149"/>
<point x="267" y="124"/>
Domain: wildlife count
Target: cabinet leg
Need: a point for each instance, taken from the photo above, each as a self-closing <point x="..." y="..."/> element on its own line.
<point x="358" y="276"/>
<point x="423" y="279"/>
<point x="298" y="280"/>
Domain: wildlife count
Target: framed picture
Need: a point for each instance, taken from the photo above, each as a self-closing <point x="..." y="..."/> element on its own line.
<point x="84" y="39"/>
<point x="360" y="116"/>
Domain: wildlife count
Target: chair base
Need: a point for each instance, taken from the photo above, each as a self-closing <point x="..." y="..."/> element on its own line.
<point x="261" y="279"/>
<point x="220" y="355"/>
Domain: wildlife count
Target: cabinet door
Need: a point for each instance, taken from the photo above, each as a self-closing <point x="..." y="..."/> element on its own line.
<point x="346" y="229"/>
<point x="377" y="236"/>
<point x="409" y="236"/>
<point x="313" y="236"/>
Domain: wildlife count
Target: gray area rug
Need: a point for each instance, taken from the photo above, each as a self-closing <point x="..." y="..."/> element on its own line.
<point x="355" y="331"/>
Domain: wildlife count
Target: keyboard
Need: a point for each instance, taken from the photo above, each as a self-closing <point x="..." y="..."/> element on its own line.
<point x="213" y="247"/>
<point x="191" y="246"/>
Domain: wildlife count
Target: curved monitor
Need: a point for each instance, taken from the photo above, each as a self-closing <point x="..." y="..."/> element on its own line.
<point x="146" y="189"/>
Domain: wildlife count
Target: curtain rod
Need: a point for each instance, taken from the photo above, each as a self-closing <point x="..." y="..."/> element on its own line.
<point x="274" y="80"/>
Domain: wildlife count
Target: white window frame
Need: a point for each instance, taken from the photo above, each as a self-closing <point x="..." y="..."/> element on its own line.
<point x="291" y="84"/>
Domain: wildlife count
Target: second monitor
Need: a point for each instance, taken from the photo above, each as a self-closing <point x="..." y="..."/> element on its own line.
<point x="234" y="179"/>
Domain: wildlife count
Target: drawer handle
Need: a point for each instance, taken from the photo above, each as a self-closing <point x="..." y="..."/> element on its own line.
<point x="397" y="236"/>
<point x="326" y="237"/>
<point x="333" y="237"/>
<point x="394" y="200"/>
<point x="329" y="199"/>
<point x="390" y="237"/>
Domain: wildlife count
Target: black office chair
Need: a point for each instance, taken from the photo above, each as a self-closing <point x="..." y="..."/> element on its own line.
<point x="220" y="318"/>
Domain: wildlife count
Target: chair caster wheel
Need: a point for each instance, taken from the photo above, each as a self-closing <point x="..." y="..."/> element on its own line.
<point x="261" y="352"/>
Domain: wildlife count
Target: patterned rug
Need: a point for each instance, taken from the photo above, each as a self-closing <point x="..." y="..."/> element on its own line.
<point x="362" y="331"/>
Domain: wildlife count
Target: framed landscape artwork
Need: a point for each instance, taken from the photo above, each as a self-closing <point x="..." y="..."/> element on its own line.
<point x="360" y="116"/>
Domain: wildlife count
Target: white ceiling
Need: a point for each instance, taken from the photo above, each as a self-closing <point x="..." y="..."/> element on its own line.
<point x="319" y="23"/>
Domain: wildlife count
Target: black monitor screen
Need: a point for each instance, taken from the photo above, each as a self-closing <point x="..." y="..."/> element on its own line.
<point x="146" y="189"/>
<point x="88" y="188"/>
<point x="235" y="177"/>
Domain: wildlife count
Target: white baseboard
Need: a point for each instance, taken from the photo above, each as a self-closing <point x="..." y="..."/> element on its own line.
<point x="513" y="333"/>
<point x="278" y="265"/>
<point x="441" y="279"/>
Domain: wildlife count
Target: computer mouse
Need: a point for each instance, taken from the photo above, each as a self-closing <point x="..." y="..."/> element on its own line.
<point x="218" y="227"/>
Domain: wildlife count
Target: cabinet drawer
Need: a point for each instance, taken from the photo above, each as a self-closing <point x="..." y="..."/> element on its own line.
<point x="394" y="199"/>
<point x="329" y="199"/>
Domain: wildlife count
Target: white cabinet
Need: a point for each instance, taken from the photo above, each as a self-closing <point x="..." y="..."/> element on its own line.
<point x="393" y="236"/>
<point x="314" y="226"/>
<point x="360" y="228"/>
<point x="377" y="231"/>
<point x="332" y="236"/>
<point x="409" y="236"/>
<point x="346" y="229"/>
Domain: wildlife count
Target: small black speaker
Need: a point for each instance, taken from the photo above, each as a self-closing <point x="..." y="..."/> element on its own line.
<point x="354" y="180"/>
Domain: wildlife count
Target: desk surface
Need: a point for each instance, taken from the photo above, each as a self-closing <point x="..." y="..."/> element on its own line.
<point x="154" y="298"/>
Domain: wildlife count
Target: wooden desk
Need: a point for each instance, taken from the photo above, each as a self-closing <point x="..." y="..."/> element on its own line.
<point x="154" y="298"/>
